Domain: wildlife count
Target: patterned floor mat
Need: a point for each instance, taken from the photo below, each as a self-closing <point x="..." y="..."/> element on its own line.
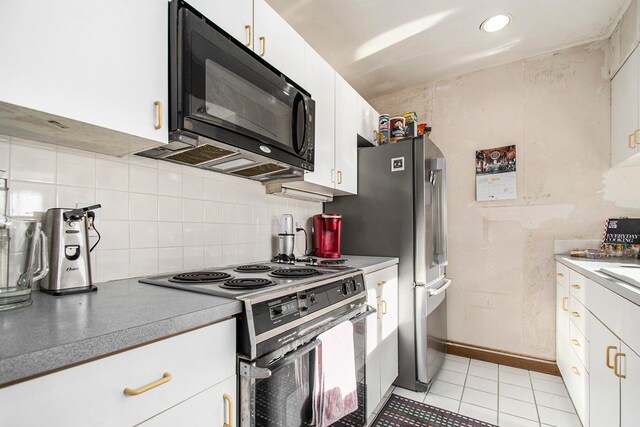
<point x="402" y="412"/>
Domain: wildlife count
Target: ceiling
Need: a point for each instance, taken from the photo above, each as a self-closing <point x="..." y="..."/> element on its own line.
<point x="379" y="48"/>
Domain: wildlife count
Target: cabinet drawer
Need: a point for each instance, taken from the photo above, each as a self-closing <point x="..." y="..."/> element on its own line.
<point x="578" y="315"/>
<point x="212" y="407"/>
<point x="576" y="378"/>
<point x="377" y="280"/>
<point x="93" y="393"/>
<point x="562" y="274"/>
<point x="579" y="344"/>
<point x="577" y="285"/>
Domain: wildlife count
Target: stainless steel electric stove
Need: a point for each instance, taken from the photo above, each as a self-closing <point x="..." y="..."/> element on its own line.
<point x="287" y="305"/>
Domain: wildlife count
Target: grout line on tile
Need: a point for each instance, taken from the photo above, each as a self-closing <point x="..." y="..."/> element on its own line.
<point x="535" y="402"/>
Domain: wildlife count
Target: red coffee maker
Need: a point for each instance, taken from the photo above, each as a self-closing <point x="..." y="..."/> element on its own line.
<point x="327" y="232"/>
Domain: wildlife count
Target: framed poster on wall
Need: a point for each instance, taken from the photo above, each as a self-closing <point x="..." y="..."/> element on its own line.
<point x="496" y="174"/>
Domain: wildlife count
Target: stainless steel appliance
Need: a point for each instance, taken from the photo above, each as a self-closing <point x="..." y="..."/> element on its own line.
<point x="70" y="265"/>
<point x="286" y="239"/>
<point x="231" y="111"/>
<point x="285" y="309"/>
<point x="400" y="210"/>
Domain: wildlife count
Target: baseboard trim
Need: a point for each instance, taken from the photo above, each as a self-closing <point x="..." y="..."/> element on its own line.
<point x="501" y="357"/>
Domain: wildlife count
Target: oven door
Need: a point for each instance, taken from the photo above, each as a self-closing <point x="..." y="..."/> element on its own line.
<point x="279" y="393"/>
<point x="230" y="95"/>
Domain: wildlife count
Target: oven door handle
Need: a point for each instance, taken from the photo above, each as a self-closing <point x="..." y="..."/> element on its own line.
<point x="257" y="372"/>
<point x="368" y="312"/>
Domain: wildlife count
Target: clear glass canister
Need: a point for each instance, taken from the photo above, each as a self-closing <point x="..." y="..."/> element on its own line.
<point x="23" y="260"/>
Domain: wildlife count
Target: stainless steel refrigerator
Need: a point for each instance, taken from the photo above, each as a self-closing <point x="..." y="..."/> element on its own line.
<point x="401" y="211"/>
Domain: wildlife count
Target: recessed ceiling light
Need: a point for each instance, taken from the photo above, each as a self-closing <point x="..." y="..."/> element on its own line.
<point x="495" y="23"/>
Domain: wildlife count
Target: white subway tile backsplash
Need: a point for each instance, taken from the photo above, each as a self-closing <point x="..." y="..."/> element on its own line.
<point x="193" y="257"/>
<point x="193" y="187"/>
<point x="143" y="262"/>
<point x="71" y="197"/>
<point x="169" y="234"/>
<point x="213" y="212"/>
<point x="212" y="189"/>
<point x="5" y="153"/>
<point x="169" y="209"/>
<point x="169" y="183"/>
<point x="112" y="175"/>
<point x="229" y="213"/>
<point x="192" y="234"/>
<point x="33" y="163"/>
<point x="193" y="210"/>
<point x="230" y="234"/>
<point x="213" y="255"/>
<point x="114" y="235"/>
<point x="143" y="234"/>
<point x="155" y="216"/>
<point x="246" y="233"/>
<point x="115" y="204"/>
<point x="245" y="214"/>
<point x="143" y="207"/>
<point x="230" y="254"/>
<point x="143" y="179"/>
<point x="213" y="234"/>
<point x="112" y="265"/>
<point x="76" y="170"/>
<point x="169" y="260"/>
<point x="29" y="197"/>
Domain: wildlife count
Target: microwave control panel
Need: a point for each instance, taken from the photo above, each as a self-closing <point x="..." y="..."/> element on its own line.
<point x="271" y="314"/>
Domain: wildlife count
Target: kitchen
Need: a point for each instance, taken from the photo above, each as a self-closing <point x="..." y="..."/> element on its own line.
<point x="86" y="86"/>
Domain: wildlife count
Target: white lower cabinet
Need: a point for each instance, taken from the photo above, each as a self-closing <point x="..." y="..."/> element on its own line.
<point x="129" y="387"/>
<point x="212" y="407"/>
<point x="595" y="351"/>
<point x="382" y="334"/>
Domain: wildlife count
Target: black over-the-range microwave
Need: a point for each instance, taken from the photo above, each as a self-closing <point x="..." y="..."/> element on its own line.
<point x="231" y="111"/>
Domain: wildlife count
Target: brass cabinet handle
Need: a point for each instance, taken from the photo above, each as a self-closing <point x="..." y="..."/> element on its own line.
<point x="249" y="35"/>
<point x="565" y="299"/>
<point x="263" y="46"/>
<point x="575" y="342"/>
<point x="339" y="177"/>
<point x="575" y="370"/>
<point x="166" y="377"/>
<point x="608" y="362"/>
<point x="229" y="401"/>
<point x="629" y="141"/>
<point x="635" y="138"/>
<point x="559" y="274"/>
<point x="382" y="282"/>
<point x="616" y="365"/>
<point x="575" y="286"/>
<point x="384" y="307"/>
<point x="158" y="105"/>
<point x="575" y="314"/>
<point x="375" y="135"/>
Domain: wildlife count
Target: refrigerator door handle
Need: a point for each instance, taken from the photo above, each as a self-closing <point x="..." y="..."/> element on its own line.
<point x="437" y="178"/>
<point x="441" y="289"/>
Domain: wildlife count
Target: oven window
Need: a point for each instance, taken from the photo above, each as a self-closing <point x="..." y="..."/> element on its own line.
<point x="284" y="399"/>
<point x="236" y="101"/>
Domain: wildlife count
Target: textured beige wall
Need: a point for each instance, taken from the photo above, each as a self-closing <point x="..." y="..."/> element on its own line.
<point x="556" y="109"/>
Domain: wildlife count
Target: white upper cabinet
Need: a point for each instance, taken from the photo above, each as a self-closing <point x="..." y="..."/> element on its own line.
<point x="625" y="111"/>
<point x="235" y="17"/>
<point x="101" y="62"/>
<point x="346" y="137"/>
<point x="367" y="121"/>
<point x="278" y="43"/>
<point x="319" y="80"/>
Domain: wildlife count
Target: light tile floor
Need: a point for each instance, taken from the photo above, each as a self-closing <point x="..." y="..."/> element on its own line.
<point x="502" y="395"/>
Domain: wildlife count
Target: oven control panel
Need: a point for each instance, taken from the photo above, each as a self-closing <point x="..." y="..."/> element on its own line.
<point x="279" y="311"/>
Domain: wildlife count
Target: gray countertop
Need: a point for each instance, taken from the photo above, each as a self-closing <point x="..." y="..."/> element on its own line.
<point x="589" y="267"/>
<point x="369" y="264"/>
<point x="56" y="332"/>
